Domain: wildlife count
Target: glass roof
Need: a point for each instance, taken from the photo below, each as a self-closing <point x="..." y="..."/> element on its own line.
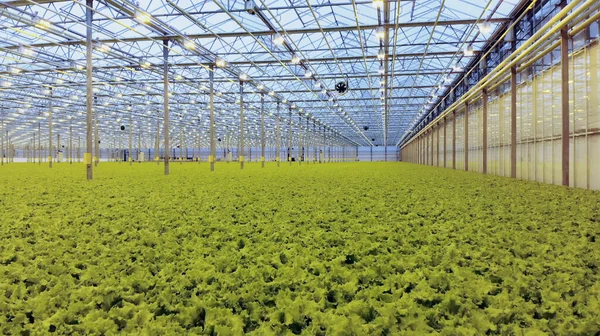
<point x="394" y="58"/>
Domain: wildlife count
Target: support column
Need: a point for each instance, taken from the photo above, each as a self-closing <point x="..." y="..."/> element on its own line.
<point x="513" y="122"/>
<point x="34" y="149"/>
<point x="129" y="157"/>
<point x="2" y="143"/>
<point x="564" y="67"/>
<point x="315" y="142"/>
<point x="437" y="151"/>
<point x="97" y="138"/>
<point x="484" y="98"/>
<point x="39" y="143"/>
<point x="445" y="142"/>
<point x="50" y="131"/>
<point x="454" y="139"/>
<point x="166" y="101"/>
<point x="466" y="136"/>
<point x="262" y="130"/>
<point x="70" y="143"/>
<point x="241" y="153"/>
<point x="290" y="138"/>
<point x="299" y="155"/>
<point x="278" y="149"/>
<point x="213" y="146"/>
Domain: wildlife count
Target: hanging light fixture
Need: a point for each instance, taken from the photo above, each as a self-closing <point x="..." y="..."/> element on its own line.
<point x="278" y="39"/>
<point x="243" y="77"/>
<point x="271" y="93"/>
<point x="381" y="70"/>
<point x="380" y="32"/>
<point x="484" y="27"/>
<point x="381" y="54"/>
<point x="189" y="44"/>
<point x="378" y="4"/>
<point x="457" y="68"/>
<point x="26" y="51"/>
<point x="295" y="59"/>
<point x="308" y="74"/>
<point x="220" y="63"/>
<point x="260" y="87"/>
<point x="469" y="51"/>
<point x="142" y="17"/>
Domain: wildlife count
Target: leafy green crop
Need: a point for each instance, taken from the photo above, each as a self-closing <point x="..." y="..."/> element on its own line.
<point x="334" y="249"/>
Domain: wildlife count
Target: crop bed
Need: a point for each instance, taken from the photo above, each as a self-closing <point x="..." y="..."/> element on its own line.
<point x="332" y="249"/>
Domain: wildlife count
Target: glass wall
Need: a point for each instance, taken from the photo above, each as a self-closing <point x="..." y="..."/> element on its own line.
<point x="538" y="125"/>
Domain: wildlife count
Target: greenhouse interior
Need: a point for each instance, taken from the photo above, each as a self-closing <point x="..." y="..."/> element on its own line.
<point x="300" y="167"/>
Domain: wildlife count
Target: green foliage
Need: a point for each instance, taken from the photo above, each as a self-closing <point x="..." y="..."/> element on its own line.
<point x="334" y="249"/>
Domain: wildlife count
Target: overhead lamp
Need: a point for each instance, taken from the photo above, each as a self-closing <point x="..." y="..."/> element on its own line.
<point x="484" y="27"/>
<point x="378" y="4"/>
<point x="271" y="93"/>
<point x="243" y="77"/>
<point x="6" y="84"/>
<point x="324" y="91"/>
<point x="295" y="59"/>
<point x="142" y="17"/>
<point x="308" y="74"/>
<point x="178" y="77"/>
<point x="219" y="93"/>
<point x="457" y="68"/>
<point x="381" y="70"/>
<point x="380" y="32"/>
<point x="317" y="85"/>
<point x="381" y="54"/>
<point x="59" y="81"/>
<point x="382" y="89"/>
<point x="469" y="51"/>
<point x="129" y="108"/>
<point x="285" y="101"/>
<point x="220" y="63"/>
<point x="293" y="106"/>
<point x="118" y="79"/>
<point x="25" y="51"/>
<point x="119" y="95"/>
<point x="144" y="64"/>
<point x="102" y="47"/>
<point x="41" y="23"/>
<point x="278" y="39"/>
<point x="260" y="87"/>
<point x="189" y="44"/>
<point x="14" y="70"/>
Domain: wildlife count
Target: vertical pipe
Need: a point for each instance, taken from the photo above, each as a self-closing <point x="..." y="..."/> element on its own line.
<point x="262" y="130"/>
<point x="298" y="155"/>
<point x="34" y="149"/>
<point x="564" y="65"/>
<point x="97" y="138"/>
<point x="278" y="149"/>
<point x="39" y="143"/>
<point x="454" y="139"/>
<point x="513" y="122"/>
<point x="315" y="141"/>
<point x="50" y="131"/>
<point x="484" y="100"/>
<point x="437" y="151"/>
<point x="71" y="143"/>
<point x="213" y="145"/>
<point x="241" y="153"/>
<point x="290" y="137"/>
<point x="130" y="141"/>
<point x="180" y="139"/>
<point x="166" y="101"/>
<point x="157" y="142"/>
<point x="445" y="148"/>
<point x="2" y="142"/>
<point x="466" y="136"/>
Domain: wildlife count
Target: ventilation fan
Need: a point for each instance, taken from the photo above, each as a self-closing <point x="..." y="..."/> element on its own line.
<point x="342" y="87"/>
